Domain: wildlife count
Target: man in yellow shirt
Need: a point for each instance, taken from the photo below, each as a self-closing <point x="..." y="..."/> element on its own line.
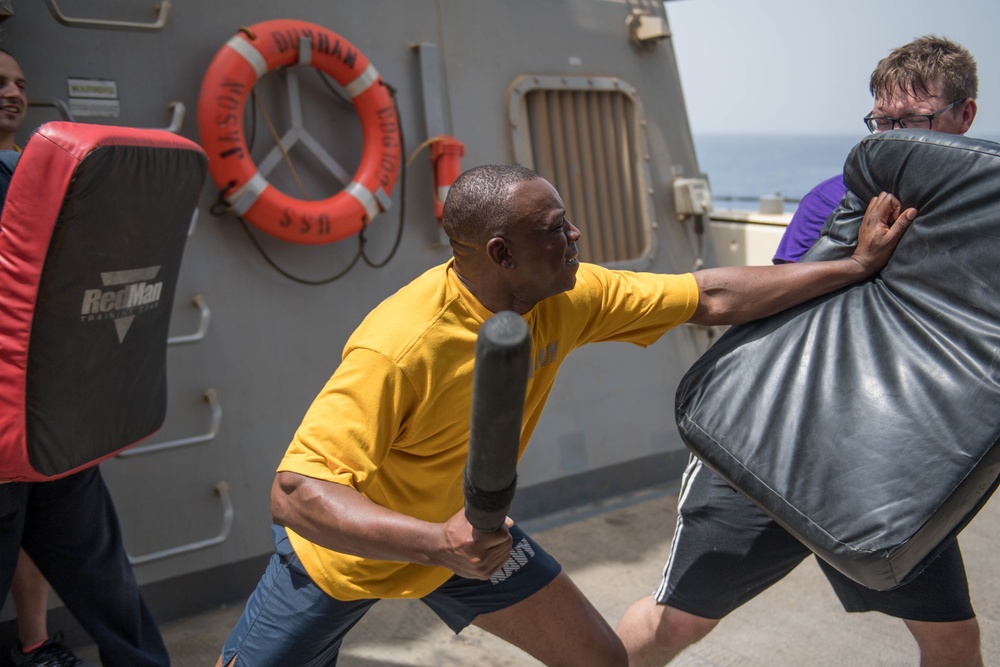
<point x="368" y="500"/>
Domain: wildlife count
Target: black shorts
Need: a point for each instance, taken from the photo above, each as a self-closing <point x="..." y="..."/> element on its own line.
<point x="726" y="551"/>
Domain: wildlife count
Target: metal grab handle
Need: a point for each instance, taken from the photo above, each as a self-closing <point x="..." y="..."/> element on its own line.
<point x="161" y="19"/>
<point x="212" y="397"/>
<point x="54" y="102"/>
<point x="222" y="488"/>
<point x="206" y="315"/>
<point x="177" y="109"/>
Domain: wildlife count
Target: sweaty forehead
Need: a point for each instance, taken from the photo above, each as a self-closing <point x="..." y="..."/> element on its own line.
<point x="9" y="68"/>
<point x="538" y="201"/>
<point x="901" y="98"/>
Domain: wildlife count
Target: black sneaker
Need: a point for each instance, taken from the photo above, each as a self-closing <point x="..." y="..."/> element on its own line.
<point x="53" y="653"/>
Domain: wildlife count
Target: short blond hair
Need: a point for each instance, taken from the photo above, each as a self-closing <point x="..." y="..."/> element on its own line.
<point x="926" y="61"/>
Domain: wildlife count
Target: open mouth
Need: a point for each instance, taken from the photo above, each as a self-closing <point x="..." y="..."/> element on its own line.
<point x="574" y="258"/>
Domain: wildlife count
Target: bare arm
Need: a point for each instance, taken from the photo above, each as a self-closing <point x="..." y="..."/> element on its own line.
<point x="732" y="295"/>
<point x="340" y="518"/>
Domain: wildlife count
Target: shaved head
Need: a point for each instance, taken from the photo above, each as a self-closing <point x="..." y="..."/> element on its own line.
<point x="479" y="204"/>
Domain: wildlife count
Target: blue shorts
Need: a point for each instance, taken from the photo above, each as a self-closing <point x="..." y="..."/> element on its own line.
<point x="288" y="620"/>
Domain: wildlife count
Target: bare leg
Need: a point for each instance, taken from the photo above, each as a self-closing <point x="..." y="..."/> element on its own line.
<point x="654" y="633"/>
<point x="30" y="591"/>
<point x="947" y="644"/>
<point x="558" y="626"/>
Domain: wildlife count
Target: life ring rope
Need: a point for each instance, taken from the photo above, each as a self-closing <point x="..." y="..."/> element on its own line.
<point x="237" y="66"/>
<point x="259" y="107"/>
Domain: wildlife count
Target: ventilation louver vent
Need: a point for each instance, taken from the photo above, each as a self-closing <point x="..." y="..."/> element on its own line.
<point x="583" y="135"/>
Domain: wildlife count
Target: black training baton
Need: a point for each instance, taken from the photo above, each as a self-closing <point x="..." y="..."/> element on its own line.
<point x="499" y="383"/>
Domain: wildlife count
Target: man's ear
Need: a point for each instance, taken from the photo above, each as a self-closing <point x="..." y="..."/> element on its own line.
<point x="968" y="114"/>
<point x="499" y="252"/>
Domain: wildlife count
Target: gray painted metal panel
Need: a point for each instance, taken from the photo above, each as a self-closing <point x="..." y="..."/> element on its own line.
<point x="272" y="342"/>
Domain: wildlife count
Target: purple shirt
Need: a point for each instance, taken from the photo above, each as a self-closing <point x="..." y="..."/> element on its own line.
<point x="809" y="219"/>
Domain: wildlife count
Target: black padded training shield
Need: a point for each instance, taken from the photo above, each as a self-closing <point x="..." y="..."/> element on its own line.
<point x="93" y="232"/>
<point x="866" y="422"/>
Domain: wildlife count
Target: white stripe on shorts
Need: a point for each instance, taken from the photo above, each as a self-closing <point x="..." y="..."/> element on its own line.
<point x="694" y="466"/>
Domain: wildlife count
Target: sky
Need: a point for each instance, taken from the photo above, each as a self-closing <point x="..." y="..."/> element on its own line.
<point x="802" y="66"/>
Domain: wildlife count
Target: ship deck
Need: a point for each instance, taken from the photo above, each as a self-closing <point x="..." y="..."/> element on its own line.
<point x="615" y="551"/>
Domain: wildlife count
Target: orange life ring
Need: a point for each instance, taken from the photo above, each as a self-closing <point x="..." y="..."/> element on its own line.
<point x="237" y="66"/>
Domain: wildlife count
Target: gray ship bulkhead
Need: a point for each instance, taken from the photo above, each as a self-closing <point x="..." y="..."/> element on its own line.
<point x="513" y="81"/>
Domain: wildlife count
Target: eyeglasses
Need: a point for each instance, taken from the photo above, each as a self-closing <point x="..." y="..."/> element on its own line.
<point x="920" y="121"/>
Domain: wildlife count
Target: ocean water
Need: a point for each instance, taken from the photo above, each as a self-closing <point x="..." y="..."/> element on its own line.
<point x="742" y="168"/>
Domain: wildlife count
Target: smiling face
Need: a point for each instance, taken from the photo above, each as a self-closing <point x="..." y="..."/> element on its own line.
<point x="541" y="250"/>
<point x="13" y="100"/>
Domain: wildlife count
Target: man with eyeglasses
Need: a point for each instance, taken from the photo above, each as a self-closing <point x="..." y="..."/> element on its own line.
<point x="928" y="84"/>
<point x="725" y="549"/>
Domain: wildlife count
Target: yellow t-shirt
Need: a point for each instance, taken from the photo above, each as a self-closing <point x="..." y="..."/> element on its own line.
<point x="393" y="421"/>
